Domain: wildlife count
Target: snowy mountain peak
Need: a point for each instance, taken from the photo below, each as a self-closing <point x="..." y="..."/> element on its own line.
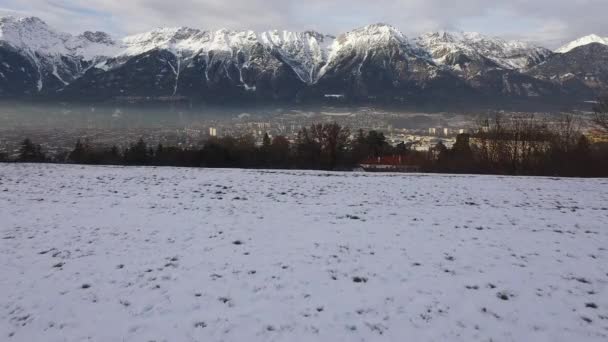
<point x="23" y="21"/>
<point x="32" y="34"/>
<point x="318" y="36"/>
<point x="586" y="40"/>
<point x="185" y="40"/>
<point x="381" y="28"/>
<point x="161" y="36"/>
<point x="374" y="58"/>
<point x="443" y="45"/>
<point x="36" y="38"/>
<point x="97" y="37"/>
<point x="375" y="33"/>
<point x="370" y="37"/>
<point x="472" y="39"/>
<point x="366" y="41"/>
<point x="444" y="36"/>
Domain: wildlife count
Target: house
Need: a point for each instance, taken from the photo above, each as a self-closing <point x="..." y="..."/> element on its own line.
<point x="395" y="163"/>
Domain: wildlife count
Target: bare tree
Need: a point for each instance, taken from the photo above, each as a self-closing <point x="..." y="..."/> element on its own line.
<point x="332" y="140"/>
<point x="601" y="114"/>
<point x="567" y="131"/>
<point x="511" y="143"/>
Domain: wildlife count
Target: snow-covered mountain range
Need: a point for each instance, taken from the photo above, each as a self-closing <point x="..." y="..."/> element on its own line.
<point x="586" y="40"/>
<point x="445" y="46"/>
<point x="366" y="63"/>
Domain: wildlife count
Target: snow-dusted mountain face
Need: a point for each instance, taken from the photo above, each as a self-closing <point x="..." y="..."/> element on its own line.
<point x="167" y="61"/>
<point x="490" y="65"/>
<point x="219" y="64"/>
<point x="36" y="37"/>
<point x="580" y="67"/>
<point x="376" y="62"/>
<point x="40" y="59"/>
<point x="460" y="49"/>
<point x="583" y="69"/>
<point x="586" y="40"/>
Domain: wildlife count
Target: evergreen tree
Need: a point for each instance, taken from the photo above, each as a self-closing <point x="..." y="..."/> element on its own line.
<point x="582" y="159"/>
<point x="265" y="151"/>
<point x="308" y="150"/>
<point x="279" y="152"/>
<point x="266" y="142"/>
<point x="376" y="141"/>
<point x="462" y="147"/>
<point x="31" y="153"/>
<point x="79" y="154"/>
<point x="113" y="155"/>
<point x="137" y="154"/>
<point x="461" y="156"/>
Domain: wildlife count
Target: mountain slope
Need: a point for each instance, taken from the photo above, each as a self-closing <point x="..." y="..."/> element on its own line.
<point x="372" y="63"/>
<point x="491" y="66"/>
<point x="456" y="49"/>
<point x="593" y="38"/>
<point x="582" y="69"/>
<point x="376" y="60"/>
<point x="187" y="62"/>
<point x="52" y="58"/>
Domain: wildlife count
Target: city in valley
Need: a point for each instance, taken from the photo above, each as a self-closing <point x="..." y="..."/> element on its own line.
<point x="57" y="128"/>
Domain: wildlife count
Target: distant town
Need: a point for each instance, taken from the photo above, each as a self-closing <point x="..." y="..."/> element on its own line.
<point x="57" y="136"/>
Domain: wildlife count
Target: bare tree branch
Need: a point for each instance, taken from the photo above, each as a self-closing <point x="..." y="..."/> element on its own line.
<point x="601" y="114"/>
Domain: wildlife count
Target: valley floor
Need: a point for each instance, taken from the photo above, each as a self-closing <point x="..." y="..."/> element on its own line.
<point x="176" y="254"/>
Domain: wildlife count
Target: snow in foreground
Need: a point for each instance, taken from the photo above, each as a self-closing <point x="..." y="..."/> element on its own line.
<point x="166" y="254"/>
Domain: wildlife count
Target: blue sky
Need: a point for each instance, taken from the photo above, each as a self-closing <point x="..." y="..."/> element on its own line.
<point x="549" y="22"/>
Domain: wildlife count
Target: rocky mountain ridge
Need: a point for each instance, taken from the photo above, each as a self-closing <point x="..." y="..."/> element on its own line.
<point x="376" y="62"/>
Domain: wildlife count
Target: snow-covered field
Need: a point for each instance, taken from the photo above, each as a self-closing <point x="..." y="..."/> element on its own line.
<point x="169" y="254"/>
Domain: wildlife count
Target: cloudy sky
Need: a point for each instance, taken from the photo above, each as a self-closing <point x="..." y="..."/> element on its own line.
<point x="549" y="22"/>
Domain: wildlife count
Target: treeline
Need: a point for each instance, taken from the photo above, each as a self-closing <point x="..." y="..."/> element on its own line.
<point x="521" y="145"/>
<point x="320" y="147"/>
<point x="525" y="145"/>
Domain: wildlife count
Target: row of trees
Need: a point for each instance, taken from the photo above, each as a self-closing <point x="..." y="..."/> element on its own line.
<point x="321" y="146"/>
<point x="29" y="153"/>
<point x="525" y="146"/>
<point x="521" y="145"/>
